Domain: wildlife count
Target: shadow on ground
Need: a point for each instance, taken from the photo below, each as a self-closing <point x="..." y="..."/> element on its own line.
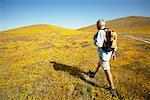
<point x="74" y="71"/>
<point x="78" y="73"/>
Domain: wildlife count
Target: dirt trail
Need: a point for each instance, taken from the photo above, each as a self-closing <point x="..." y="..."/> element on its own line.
<point x="146" y="40"/>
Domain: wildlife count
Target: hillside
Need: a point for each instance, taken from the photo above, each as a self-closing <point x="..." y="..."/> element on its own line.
<point x="132" y="24"/>
<point x="37" y="29"/>
<point x="50" y="63"/>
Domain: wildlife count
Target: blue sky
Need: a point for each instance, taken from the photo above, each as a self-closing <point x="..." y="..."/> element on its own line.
<point x="70" y="14"/>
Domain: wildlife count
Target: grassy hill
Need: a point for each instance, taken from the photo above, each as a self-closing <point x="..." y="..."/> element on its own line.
<point x="50" y="63"/>
<point x="132" y="24"/>
<point x="38" y="29"/>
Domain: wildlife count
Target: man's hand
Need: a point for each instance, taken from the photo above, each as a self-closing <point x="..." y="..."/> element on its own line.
<point x="113" y="56"/>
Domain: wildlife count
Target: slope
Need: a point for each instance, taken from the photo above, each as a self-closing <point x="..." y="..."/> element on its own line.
<point x="132" y="24"/>
<point x="53" y="66"/>
<point x="37" y="29"/>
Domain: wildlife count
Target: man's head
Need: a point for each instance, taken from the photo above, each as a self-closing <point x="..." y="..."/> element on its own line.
<point x="100" y="23"/>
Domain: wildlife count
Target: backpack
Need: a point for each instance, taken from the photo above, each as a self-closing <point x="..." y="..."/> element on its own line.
<point x="110" y="40"/>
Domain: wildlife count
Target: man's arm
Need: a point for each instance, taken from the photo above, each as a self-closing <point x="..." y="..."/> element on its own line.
<point x="115" y="48"/>
<point x="113" y="56"/>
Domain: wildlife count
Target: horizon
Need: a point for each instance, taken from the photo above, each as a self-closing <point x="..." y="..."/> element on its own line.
<point x="67" y="14"/>
<point x="65" y="27"/>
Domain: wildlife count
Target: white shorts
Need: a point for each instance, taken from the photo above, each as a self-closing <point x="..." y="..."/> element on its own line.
<point x="104" y="58"/>
<point x="105" y="64"/>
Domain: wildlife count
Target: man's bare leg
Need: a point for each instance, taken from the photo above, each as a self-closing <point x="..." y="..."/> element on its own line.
<point x="109" y="78"/>
<point x="92" y="74"/>
<point x="98" y="67"/>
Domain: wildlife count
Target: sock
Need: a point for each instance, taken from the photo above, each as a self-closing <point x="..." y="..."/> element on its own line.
<point x="112" y="87"/>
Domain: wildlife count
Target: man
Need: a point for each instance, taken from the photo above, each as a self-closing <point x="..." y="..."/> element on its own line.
<point x="105" y="56"/>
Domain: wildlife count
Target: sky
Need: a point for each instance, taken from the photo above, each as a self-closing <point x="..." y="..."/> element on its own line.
<point x="71" y="14"/>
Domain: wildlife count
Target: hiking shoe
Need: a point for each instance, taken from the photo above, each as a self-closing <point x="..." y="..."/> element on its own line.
<point x="91" y="74"/>
<point x="112" y="91"/>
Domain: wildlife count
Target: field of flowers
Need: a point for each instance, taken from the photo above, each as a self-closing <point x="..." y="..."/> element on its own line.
<point x="53" y="66"/>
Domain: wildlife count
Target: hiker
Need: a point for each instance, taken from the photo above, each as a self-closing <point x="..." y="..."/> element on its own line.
<point x="106" y="50"/>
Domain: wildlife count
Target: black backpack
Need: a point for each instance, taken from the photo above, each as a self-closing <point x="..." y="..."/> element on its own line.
<point x="107" y="44"/>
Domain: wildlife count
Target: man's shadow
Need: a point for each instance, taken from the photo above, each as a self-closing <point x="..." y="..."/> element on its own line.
<point x="78" y="73"/>
<point x="74" y="71"/>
